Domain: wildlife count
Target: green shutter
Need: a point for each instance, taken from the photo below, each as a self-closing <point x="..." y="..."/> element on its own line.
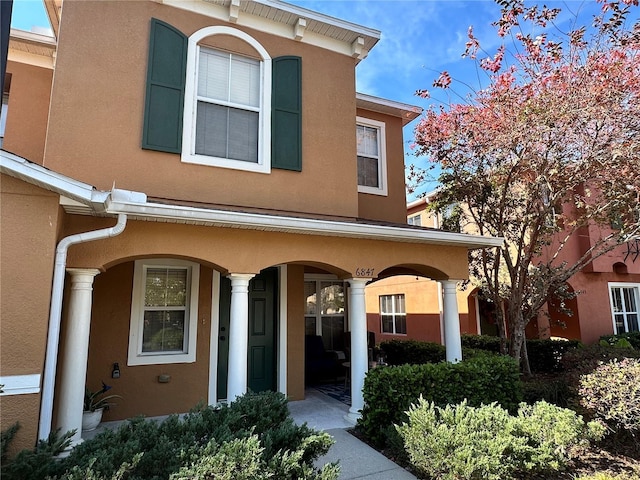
<point x="286" y="123"/>
<point x="166" y="76"/>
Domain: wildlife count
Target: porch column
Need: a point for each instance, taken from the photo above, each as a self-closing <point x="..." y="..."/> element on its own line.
<point x="359" y="354"/>
<point x="238" y="336"/>
<point x="452" y="340"/>
<point x="76" y="352"/>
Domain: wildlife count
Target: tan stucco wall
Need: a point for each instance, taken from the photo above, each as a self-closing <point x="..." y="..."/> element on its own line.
<point x="138" y="385"/>
<point x="27" y="243"/>
<point x="28" y="110"/>
<point x="25" y="409"/>
<point x="249" y="251"/>
<point x="392" y="207"/>
<point x="97" y="113"/>
<point x="295" y="332"/>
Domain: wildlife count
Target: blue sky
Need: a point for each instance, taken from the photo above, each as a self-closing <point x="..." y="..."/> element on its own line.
<point x="420" y="39"/>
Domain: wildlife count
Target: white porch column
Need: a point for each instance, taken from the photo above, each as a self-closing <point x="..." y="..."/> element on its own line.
<point x="452" y="340"/>
<point x="359" y="354"/>
<point x="238" y="336"/>
<point x="76" y="352"/>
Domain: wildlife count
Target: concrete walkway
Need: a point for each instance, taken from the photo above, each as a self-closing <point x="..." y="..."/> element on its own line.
<point x="357" y="459"/>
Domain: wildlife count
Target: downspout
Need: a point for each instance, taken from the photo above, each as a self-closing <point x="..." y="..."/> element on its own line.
<point x="55" y="315"/>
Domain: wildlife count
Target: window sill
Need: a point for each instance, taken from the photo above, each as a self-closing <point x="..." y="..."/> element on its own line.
<point x="373" y="191"/>
<point x="226" y="163"/>
<point x="161" y="359"/>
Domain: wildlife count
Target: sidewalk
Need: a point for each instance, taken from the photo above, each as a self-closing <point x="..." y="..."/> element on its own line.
<point x="357" y="459"/>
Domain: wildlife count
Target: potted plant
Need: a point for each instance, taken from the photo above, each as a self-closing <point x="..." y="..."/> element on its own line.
<point x="95" y="403"/>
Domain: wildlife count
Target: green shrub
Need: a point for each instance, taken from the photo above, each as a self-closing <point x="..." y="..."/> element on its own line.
<point x="610" y="476"/>
<point x="553" y="431"/>
<point x="412" y="352"/>
<point x="389" y="392"/>
<point x="633" y="338"/>
<point x="550" y="388"/>
<point x="481" y="342"/>
<point x="584" y="360"/>
<point x="6" y="437"/>
<point x="150" y="450"/>
<point x="545" y="356"/>
<point x="37" y="463"/>
<point x="463" y="442"/>
<point x="612" y="394"/>
<point x="243" y="459"/>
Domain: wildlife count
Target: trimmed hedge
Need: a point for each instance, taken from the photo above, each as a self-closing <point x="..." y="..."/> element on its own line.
<point x="412" y="352"/>
<point x="390" y="391"/>
<point x="633" y="338"/>
<point x="545" y="356"/>
<point x="481" y="342"/>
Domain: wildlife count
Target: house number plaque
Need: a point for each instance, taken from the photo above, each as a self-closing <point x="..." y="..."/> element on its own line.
<point x="364" y="272"/>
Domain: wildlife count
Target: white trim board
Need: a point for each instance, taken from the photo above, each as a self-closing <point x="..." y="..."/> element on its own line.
<point x="20" y="384"/>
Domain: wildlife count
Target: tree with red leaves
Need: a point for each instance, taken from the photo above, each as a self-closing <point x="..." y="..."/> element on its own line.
<point x="549" y="148"/>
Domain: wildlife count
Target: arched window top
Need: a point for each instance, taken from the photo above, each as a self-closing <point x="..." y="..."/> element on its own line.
<point x="203" y="33"/>
<point x="227" y="108"/>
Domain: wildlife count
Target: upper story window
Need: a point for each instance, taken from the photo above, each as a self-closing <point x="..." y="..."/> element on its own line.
<point x="227" y="112"/>
<point x="415" y="220"/>
<point x="625" y="307"/>
<point x="372" y="164"/>
<point x="219" y="108"/>
<point x="164" y="312"/>
<point x="5" y="106"/>
<point x="228" y="108"/>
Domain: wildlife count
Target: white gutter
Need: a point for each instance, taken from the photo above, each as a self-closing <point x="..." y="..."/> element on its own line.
<point x="305" y="226"/>
<point x="55" y="315"/>
<point x="22" y="169"/>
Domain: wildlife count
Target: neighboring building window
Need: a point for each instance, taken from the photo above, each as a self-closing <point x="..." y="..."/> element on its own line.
<point x="371" y="148"/>
<point x="393" y="314"/>
<point x="164" y="312"/>
<point x="325" y="311"/>
<point x="625" y="306"/>
<point x="227" y="105"/>
<point x="415" y="220"/>
<point x="5" y="106"/>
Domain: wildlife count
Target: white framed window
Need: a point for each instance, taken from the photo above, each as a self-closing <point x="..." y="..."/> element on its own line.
<point x="415" y="220"/>
<point x="325" y="307"/>
<point x="164" y="312"/>
<point x="5" y="106"/>
<point x="393" y="315"/>
<point x="625" y="306"/>
<point x="372" y="162"/>
<point x="227" y="107"/>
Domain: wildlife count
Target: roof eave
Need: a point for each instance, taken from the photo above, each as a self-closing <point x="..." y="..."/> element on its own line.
<point x="304" y="226"/>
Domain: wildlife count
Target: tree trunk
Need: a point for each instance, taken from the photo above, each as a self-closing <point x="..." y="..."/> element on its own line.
<point x="517" y="335"/>
<point x="526" y="367"/>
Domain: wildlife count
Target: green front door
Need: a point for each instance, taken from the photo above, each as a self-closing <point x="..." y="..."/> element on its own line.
<point x="263" y="294"/>
<point x="263" y="291"/>
<point x="223" y="337"/>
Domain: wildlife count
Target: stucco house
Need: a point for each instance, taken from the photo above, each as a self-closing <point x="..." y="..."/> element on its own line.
<point x="182" y="185"/>
<point x="406" y="307"/>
